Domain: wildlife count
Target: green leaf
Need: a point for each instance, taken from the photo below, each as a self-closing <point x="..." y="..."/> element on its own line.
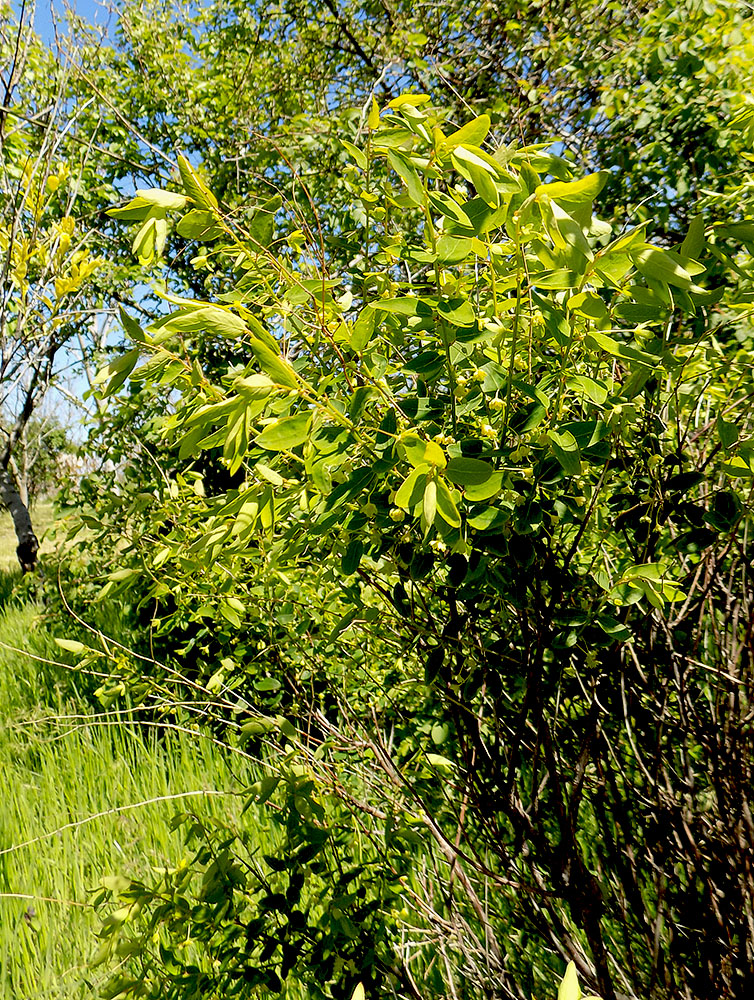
<point x="119" y="370"/>
<point x="727" y="432"/>
<point x="453" y="249"/>
<point x="256" y="727"/>
<point x="738" y="468"/>
<point x="457" y="312"/>
<point x="440" y="762"/>
<point x="286" y="433"/>
<point x="144" y="245"/>
<point x="575" y="193"/>
<point x="693" y="244"/>
<point x="615" y="629"/>
<point x="566" y="450"/>
<point x="476" y="492"/>
<point x="209" y="318"/>
<point x="605" y="343"/>
<point x="662" y="265"/>
<point x="407" y="172"/>
<point x="564" y="231"/>
<point x="352" y="556"/>
<point x="420" y="452"/>
<point x="363" y="328"/>
<point x="167" y="200"/>
<point x="590" y="306"/>
<point x="559" y="279"/>
<point x="199" y="224"/>
<point x="468" y="471"/>
<point x="736" y="230"/>
<point x="136" y="210"/>
<point x="481" y="218"/>
<point x="412" y="489"/>
<point x="407" y="305"/>
<point x="481" y="173"/>
<point x="131" y="327"/>
<point x="410" y="100"/>
<point x="267" y="684"/>
<point x="588" y="387"/>
<point x="276" y="367"/>
<point x="444" y="205"/>
<point x="357" y="155"/>
<point x="261" y="227"/>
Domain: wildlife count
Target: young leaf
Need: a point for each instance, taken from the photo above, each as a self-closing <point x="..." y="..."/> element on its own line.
<point x="407" y="172"/>
<point x="412" y="100"/>
<point x="145" y="242"/>
<point x="446" y="505"/>
<point x="412" y="489"/>
<point x="420" y="452"/>
<point x="569" y="988"/>
<point x="194" y="186"/>
<point x="71" y="645"/>
<point x="363" y="328"/>
<point x="473" y="133"/>
<point x="475" y="169"/>
<point x="161" y="199"/>
<point x="429" y="507"/>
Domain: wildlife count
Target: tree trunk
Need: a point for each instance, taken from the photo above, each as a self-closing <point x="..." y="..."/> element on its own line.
<point x="28" y="544"/>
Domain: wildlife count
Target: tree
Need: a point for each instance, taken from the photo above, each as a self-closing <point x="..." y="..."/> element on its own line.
<point x="49" y="189"/>
<point x="477" y="595"/>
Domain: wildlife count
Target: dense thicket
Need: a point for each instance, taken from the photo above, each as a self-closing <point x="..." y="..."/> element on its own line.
<point x="433" y="490"/>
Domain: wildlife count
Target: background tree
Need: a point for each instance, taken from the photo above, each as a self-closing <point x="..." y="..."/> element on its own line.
<point x="51" y="279"/>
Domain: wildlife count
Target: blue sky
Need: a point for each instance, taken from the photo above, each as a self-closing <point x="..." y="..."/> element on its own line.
<point x="49" y="11"/>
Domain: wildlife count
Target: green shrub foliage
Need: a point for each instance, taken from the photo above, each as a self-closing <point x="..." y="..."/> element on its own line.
<point x="440" y="512"/>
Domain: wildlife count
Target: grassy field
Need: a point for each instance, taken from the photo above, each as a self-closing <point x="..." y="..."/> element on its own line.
<point x="84" y="796"/>
<point x="43" y="515"/>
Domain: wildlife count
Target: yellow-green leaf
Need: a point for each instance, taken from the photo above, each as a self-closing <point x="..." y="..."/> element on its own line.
<point x="473" y="133"/>
<point x="569" y="988"/>
<point x="429" y="507"/>
<point x="446" y="505"/>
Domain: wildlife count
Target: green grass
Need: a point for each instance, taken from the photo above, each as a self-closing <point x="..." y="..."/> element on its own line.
<point x="65" y="816"/>
<point x="42" y="517"/>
